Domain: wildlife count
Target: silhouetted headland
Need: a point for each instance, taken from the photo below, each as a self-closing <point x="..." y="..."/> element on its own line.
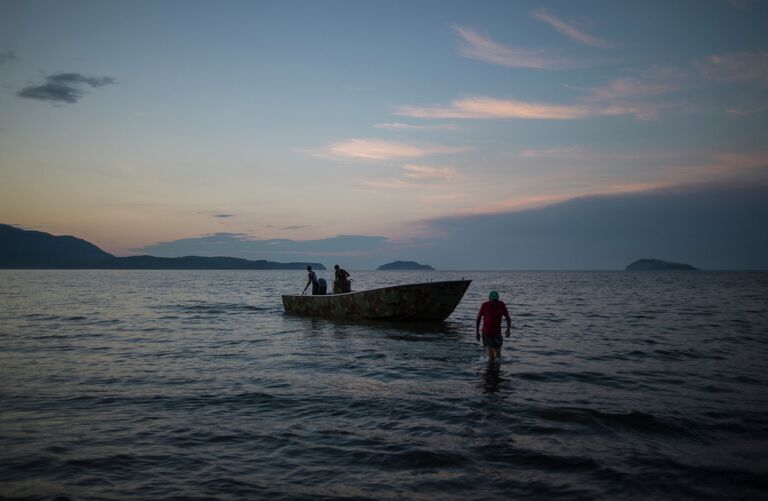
<point x="404" y="265"/>
<point x="24" y="249"/>
<point x="658" y="265"/>
<point x="35" y="249"/>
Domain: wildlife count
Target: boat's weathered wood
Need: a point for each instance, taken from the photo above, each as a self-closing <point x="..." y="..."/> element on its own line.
<point x="426" y="301"/>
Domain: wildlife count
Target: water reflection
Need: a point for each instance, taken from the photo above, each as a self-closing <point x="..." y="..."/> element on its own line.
<point x="399" y="329"/>
<point x="128" y="374"/>
<point x="492" y="378"/>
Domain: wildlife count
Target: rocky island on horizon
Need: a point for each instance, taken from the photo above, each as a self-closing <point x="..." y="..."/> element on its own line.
<point x="658" y="265"/>
<point x="404" y="265"/>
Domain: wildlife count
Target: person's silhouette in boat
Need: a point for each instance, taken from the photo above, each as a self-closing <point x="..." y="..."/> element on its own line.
<point x="312" y="280"/>
<point x="342" y="282"/>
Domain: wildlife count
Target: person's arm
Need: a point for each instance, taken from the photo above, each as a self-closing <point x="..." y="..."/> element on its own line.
<point x="477" y="323"/>
<point x="509" y="320"/>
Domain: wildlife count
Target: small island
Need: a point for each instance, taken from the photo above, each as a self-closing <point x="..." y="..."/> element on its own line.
<point x="404" y="265"/>
<point x="659" y="265"/>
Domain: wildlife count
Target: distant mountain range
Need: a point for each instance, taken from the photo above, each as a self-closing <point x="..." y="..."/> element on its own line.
<point x="24" y="249"/>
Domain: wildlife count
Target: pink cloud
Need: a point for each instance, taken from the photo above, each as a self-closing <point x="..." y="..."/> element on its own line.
<point x="642" y="94"/>
<point x="742" y="161"/>
<point x="476" y="46"/>
<point x="516" y="204"/>
<point x="626" y="96"/>
<point x="716" y="167"/>
<point x="376" y="149"/>
<point x="417" y="176"/>
<point x="428" y="172"/>
<point x="624" y="88"/>
<point x="389" y="184"/>
<point x="572" y="32"/>
<point x="487" y="107"/>
<point x="402" y="126"/>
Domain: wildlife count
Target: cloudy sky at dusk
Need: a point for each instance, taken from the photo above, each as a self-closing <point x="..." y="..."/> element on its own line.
<point x="463" y="134"/>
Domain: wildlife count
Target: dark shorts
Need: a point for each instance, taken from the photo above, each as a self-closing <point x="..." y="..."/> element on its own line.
<point x="493" y="341"/>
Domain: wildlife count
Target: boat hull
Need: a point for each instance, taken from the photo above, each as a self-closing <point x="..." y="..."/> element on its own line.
<point x="432" y="301"/>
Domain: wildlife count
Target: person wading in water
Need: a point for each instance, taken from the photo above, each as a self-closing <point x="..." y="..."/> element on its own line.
<point x="490" y="315"/>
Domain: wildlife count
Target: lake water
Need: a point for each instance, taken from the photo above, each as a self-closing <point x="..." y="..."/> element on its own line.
<point x="135" y="385"/>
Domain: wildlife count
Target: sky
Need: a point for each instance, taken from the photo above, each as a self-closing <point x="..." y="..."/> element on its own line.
<point x="461" y="134"/>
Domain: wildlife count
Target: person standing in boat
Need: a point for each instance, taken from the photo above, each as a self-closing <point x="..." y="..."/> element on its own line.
<point x="312" y="279"/>
<point x="490" y="314"/>
<point x="342" y="283"/>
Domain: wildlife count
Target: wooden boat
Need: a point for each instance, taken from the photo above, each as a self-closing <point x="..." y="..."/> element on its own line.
<point x="413" y="302"/>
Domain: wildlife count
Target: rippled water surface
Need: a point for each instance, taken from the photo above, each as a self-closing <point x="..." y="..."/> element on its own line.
<point x="136" y="385"/>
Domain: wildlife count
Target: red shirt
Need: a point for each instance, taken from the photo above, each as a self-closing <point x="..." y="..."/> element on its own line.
<point x="491" y="312"/>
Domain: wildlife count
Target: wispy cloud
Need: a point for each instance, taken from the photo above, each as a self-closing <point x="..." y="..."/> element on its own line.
<point x="742" y="161"/>
<point x="288" y="228"/>
<point x="7" y="57"/>
<point x="487" y="107"/>
<point x="429" y="172"/>
<point x="216" y="214"/>
<point x="63" y="87"/>
<point x="643" y="95"/>
<point x="403" y="126"/>
<point x="667" y="168"/>
<point x="738" y="67"/>
<point x="571" y="31"/>
<point x="744" y="111"/>
<point x="640" y="94"/>
<point x="417" y="176"/>
<point x="479" y="47"/>
<point x="515" y="204"/>
<point x="630" y="88"/>
<point x="389" y="184"/>
<point x="376" y="149"/>
<point x="562" y="152"/>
